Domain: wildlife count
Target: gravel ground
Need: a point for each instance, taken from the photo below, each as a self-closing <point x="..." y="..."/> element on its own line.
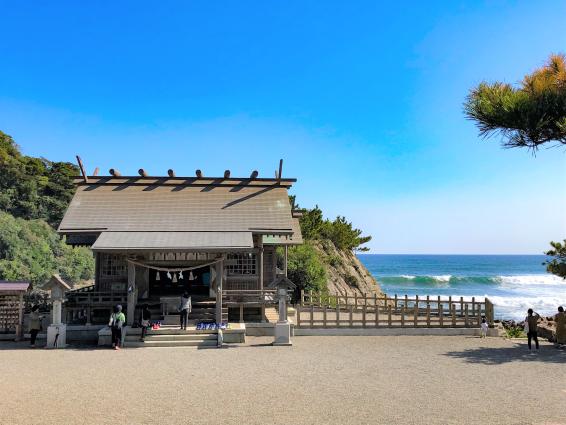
<point x="320" y="380"/>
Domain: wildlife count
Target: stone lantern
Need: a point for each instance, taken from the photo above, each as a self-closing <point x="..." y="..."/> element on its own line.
<point x="57" y="331"/>
<point x="282" y="331"/>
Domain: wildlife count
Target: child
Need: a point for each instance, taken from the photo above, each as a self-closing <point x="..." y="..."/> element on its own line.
<point x="483" y="328"/>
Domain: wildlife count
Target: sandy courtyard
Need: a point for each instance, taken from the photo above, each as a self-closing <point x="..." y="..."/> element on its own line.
<point x="320" y="380"/>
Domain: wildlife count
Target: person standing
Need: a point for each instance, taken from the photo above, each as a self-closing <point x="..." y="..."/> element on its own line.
<point x="532" y="323"/>
<point x="185" y="308"/>
<point x="34" y="324"/>
<point x="145" y="317"/>
<point x="117" y="320"/>
<point x="483" y="327"/>
<point x="560" y="319"/>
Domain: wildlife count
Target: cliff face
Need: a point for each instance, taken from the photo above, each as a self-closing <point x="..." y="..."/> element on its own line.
<point x="345" y="272"/>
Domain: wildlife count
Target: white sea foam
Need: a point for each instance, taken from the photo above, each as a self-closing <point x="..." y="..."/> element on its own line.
<point x="407" y="276"/>
<point x="442" y="278"/>
<point x="534" y="279"/>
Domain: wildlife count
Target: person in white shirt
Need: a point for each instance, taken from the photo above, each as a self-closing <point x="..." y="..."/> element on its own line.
<point x="185" y="308"/>
<point x="483" y="327"/>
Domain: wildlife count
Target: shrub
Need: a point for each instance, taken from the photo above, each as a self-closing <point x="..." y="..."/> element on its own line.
<point x="351" y="280"/>
<point x="515" y="332"/>
<point x="31" y="250"/>
<point x="305" y="269"/>
<point x="335" y="261"/>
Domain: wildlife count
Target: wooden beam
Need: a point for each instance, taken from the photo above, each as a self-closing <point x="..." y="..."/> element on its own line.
<point x="82" y="168"/>
<point x="114" y="172"/>
<point x="95" y="172"/>
<point x="199" y="174"/>
<point x="227" y="174"/>
<point x="171" y="172"/>
<point x="142" y="172"/>
<point x="254" y="174"/>
<point x="280" y="170"/>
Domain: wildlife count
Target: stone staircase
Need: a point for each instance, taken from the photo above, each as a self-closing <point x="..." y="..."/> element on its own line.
<point x="271" y="315"/>
<point x="204" y="310"/>
<point x="171" y="336"/>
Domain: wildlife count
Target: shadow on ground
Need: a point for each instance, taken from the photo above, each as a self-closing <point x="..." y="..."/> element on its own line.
<point x="515" y="353"/>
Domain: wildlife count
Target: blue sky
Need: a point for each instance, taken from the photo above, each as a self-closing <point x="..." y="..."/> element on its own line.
<point x="363" y="100"/>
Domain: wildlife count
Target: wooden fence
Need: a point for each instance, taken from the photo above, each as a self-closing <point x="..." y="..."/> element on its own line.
<point x="81" y="303"/>
<point x="316" y="310"/>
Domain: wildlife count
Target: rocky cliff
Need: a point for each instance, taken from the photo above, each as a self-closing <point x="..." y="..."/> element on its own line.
<point x="345" y="272"/>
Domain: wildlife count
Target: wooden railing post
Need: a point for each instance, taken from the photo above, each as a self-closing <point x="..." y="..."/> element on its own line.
<point x="406" y="303"/>
<point x="416" y="315"/>
<point x="364" y="315"/>
<point x="324" y="316"/>
<point x="299" y="315"/>
<point x="461" y="306"/>
<point x="428" y="316"/>
<point x="312" y="315"/>
<point x="403" y="316"/>
<point x="356" y="300"/>
<point x="302" y="298"/>
<point x="376" y="315"/>
<point x="389" y="323"/>
<point x="453" y="312"/>
<point x="489" y="311"/>
<point x="473" y="306"/>
<point x="395" y="301"/>
<point x="351" y="316"/>
<point x="466" y="323"/>
<point x="337" y="314"/>
<point x="441" y="315"/>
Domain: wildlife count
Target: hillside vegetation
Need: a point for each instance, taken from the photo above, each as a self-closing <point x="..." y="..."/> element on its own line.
<point x="326" y="262"/>
<point x="34" y="193"/>
<point x="33" y="188"/>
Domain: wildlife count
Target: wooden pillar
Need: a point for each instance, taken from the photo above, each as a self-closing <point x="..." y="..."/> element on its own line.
<point x="132" y="294"/>
<point x="241" y="313"/>
<point x="20" y="326"/>
<point x="97" y="271"/>
<point x="261" y="277"/>
<point x="286" y="259"/>
<point x="219" y="285"/>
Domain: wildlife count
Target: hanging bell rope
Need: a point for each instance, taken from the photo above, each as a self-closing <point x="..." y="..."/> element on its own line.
<point x="171" y="269"/>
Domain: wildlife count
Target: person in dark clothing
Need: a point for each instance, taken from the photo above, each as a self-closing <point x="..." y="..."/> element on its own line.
<point x="145" y="317"/>
<point x="532" y="322"/>
<point x="185" y="308"/>
<point x="117" y="320"/>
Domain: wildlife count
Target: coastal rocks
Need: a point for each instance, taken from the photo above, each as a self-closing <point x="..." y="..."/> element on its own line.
<point x="546" y="328"/>
<point x="345" y="272"/>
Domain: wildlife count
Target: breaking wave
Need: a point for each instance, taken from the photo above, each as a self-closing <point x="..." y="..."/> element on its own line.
<point x="503" y="281"/>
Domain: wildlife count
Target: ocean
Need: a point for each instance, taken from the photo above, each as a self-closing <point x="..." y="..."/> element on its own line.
<point x="514" y="283"/>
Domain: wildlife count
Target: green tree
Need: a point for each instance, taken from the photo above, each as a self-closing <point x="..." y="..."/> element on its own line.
<point x="305" y="269"/>
<point x="526" y="116"/>
<point x="33" y="188"/>
<point x="31" y="250"/>
<point x="557" y="265"/>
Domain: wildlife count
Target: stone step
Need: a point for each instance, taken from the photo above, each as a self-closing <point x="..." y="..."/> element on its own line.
<point x="173" y="319"/>
<point x="173" y="330"/>
<point x="173" y="337"/>
<point x="178" y="343"/>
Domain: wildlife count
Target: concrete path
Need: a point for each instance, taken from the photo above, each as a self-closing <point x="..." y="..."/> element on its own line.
<point x="320" y="380"/>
